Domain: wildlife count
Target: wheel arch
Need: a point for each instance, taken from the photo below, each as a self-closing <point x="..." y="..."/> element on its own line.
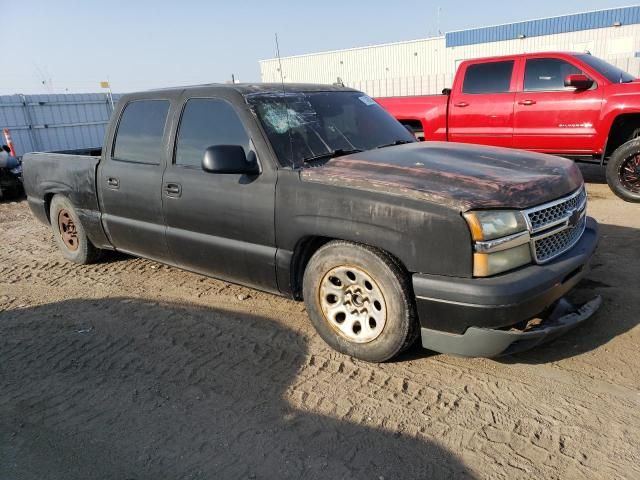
<point x="625" y="127"/>
<point x="307" y="246"/>
<point x="51" y="189"/>
<point x="416" y="125"/>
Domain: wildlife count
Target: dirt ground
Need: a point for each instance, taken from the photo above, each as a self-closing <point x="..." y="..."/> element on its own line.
<point x="129" y="369"/>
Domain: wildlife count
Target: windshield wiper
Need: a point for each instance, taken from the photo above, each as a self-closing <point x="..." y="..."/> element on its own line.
<point x="338" y="152"/>
<point x="397" y="142"/>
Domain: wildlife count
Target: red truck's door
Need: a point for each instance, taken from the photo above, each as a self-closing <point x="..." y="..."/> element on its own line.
<point x="481" y="109"/>
<point x="550" y="117"/>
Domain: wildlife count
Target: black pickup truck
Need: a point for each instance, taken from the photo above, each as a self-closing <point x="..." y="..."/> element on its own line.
<point x="316" y="193"/>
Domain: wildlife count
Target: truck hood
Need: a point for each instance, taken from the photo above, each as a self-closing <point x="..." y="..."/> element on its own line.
<point x="459" y="176"/>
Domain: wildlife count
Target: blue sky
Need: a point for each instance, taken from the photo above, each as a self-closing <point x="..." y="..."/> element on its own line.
<point x="72" y="45"/>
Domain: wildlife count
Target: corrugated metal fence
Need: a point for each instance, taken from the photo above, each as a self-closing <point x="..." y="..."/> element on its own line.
<point x="53" y="123"/>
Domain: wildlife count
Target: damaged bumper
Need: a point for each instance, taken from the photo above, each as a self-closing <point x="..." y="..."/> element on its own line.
<point x="487" y="342"/>
<point x="475" y="316"/>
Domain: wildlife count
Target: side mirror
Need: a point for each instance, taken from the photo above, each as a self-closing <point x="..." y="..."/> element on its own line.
<point x="229" y="159"/>
<point x="578" y="81"/>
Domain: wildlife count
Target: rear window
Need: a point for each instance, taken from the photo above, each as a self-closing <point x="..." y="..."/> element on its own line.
<point x="140" y="132"/>
<point x="494" y="77"/>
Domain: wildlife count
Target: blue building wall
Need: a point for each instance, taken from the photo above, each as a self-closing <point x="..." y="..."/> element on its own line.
<point x="546" y="26"/>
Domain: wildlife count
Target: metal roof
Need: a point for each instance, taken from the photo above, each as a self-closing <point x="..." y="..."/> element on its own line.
<point x="545" y="26"/>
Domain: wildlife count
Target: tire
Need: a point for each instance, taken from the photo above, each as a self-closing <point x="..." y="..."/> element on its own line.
<point x="75" y="246"/>
<point x="360" y="301"/>
<point x="621" y="158"/>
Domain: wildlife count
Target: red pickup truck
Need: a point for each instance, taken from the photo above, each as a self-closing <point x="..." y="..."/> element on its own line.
<point x="570" y="104"/>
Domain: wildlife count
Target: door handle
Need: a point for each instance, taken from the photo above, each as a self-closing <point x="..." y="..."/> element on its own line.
<point x="526" y="102"/>
<point x="461" y="104"/>
<point x="113" y="182"/>
<point x="173" y="189"/>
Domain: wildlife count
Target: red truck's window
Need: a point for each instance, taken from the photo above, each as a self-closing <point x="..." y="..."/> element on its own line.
<point x="545" y="74"/>
<point x="493" y="77"/>
<point x="140" y="132"/>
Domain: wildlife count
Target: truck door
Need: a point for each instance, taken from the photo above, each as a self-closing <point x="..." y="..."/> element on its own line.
<point x="130" y="177"/>
<point x="219" y="224"/>
<point x="481" y="108"/>
<point x="550" y="117"/>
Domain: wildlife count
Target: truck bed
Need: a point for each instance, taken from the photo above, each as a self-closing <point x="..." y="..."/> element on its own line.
<point x="46" y="174"/>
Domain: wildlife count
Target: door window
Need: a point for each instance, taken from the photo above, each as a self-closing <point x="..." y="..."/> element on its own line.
<point x="140" y="132"/>
<point x="547" y="74"/>
<point x="493" y="77"/>
<point x="205" y="123"/>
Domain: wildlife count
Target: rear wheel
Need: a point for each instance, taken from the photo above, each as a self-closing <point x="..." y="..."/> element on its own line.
<point x="69" y="233"/>
<point x="360" y="301"/>
<point x="623" y="171"/>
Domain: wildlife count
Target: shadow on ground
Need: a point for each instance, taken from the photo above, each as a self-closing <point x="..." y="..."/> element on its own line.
<point x="128" y="389"/>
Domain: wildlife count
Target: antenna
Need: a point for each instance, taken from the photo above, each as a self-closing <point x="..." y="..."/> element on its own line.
<point x="284" y="99"/>
<point x="279" y="63"/>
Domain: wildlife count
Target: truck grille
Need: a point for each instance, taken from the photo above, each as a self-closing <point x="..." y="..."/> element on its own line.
<point x="557" y="226"/>
<point x="542" y="216"/>
<point x="549" y="247"/>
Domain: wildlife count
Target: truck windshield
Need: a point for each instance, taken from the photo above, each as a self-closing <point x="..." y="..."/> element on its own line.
<point x="611" y="72"/>
<point x="306" y="126"/>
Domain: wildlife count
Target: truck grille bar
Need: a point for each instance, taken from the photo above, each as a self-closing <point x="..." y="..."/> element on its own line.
<point x="556" y="226"/>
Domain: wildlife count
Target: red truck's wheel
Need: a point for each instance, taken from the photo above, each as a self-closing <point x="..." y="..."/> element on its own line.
<point x="360" y="301"/>
<point x="623" y="171"/>
<point x="69" y="233"/>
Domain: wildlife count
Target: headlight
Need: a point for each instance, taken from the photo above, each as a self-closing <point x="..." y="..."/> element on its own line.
<point x="490" y="224"/>
<point x="501" y="241"/>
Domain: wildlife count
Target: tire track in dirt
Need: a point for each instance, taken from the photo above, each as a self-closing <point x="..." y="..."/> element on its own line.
<point x="147" y="371"/>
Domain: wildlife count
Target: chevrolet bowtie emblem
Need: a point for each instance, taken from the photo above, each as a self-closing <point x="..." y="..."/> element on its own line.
<point x="574" y="217"/>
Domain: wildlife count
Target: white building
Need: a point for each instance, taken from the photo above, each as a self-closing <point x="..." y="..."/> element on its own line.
<point x="419" y="67"/>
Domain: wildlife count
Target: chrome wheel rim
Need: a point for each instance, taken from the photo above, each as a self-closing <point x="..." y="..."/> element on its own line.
<point x="353" y="304"/>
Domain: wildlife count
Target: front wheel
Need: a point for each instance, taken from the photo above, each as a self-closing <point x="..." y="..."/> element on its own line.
<point x="360" y="301"/>
<point x="623" y="171"/>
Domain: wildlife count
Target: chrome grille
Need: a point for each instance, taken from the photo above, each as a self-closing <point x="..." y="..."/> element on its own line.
<point x="545" y="216"/>
<point x="557" y="226"/>
<point x="553" y="245"/>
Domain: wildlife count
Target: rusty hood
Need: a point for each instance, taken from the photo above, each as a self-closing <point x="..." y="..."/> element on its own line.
<point x="456" y="175"/>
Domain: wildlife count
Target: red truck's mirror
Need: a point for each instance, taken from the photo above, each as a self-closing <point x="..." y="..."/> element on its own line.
<point x="578" y="81"/>
<point x="229" y="159"/>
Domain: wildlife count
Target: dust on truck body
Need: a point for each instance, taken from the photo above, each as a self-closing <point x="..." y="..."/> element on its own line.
<point x="318" y="194"/>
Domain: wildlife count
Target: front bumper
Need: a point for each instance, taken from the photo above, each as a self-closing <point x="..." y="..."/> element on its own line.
<point x="468" y="316"/>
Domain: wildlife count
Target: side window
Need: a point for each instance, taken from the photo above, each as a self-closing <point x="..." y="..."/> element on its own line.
<point x="547" y="74"/>
<point x="494" y="77"/>
<point x="207" y="122"/>
<point x="140" y="132"/>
